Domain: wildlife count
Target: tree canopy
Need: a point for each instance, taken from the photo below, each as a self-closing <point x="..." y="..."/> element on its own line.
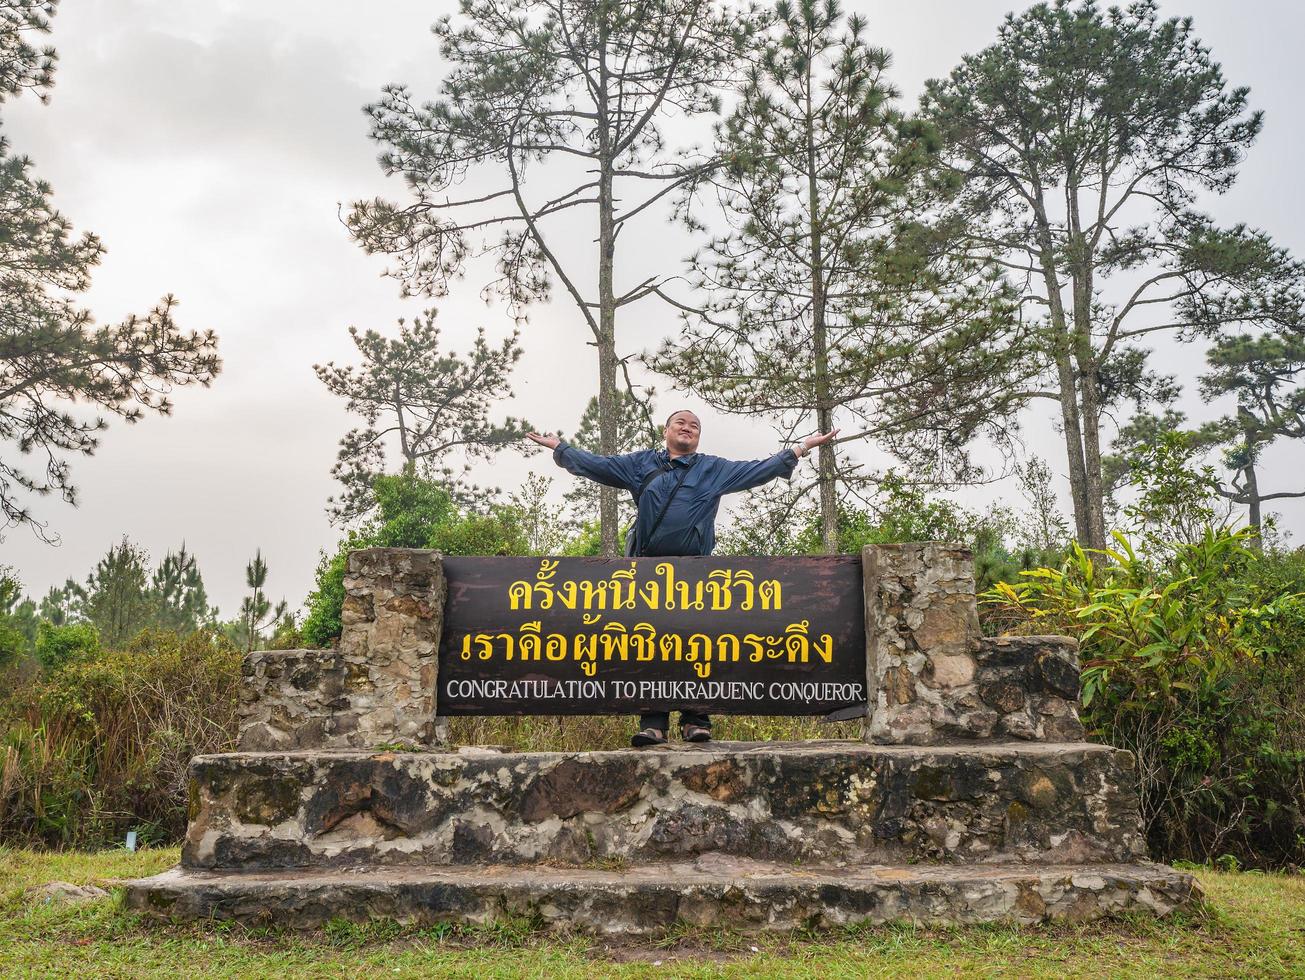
<point x="52" y="354"/>
<point x="552" y="112"/>
<point x="431" y="402"/>
<point x="1085" y="138"/>
<point x="832" y="292"/>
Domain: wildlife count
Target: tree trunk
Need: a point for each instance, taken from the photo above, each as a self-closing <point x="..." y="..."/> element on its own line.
<point x="1069" y="420"/>
<point x="1090" y="393"/>
<point x="827" y="470"/>
<point x="1252" y="490"/>
<point x="608" y="425"/>
<point x="827" y="474"/>
<point x="1068" y="383"/>
<point x="1253" y="501"/>
<point x="1089" y="381"/>
<point x="408" y="451"/>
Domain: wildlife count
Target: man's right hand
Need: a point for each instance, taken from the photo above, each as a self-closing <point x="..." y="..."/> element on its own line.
<point x="548" y="442"/>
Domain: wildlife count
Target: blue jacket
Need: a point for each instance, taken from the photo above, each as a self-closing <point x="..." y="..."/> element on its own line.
<point x="689" y="527"/>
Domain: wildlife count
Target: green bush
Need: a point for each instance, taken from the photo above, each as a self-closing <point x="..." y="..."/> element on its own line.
<point x="56" y="645"/>
<point x="17" y="620"/>
<point x="587" y="542"/>
<point x="326" y="600"/>
<point x="496" y="533"/>
<point x="100" y="744"/>
<point x="12" y="645"/>
<point x="1195" y="661"/>
<point x="411" y="512"/>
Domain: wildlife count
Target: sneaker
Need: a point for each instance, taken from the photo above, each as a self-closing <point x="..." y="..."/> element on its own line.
<point x="695" y="733"/>
<point x="649" y="736"/>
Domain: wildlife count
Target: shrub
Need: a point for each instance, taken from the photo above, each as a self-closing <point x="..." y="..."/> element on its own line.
<point x="411" y="513"/>
<point x="325" y="602"/>
<point x="587" y="542"/>
<point x="496" y="533"/>
<point x="1194" y="662"/>
<point x="100" y="744"/>
<point x="409" y="510"/>
<point x="12" y="645"/>
<point x="56" y="645"/>
<point x="17" y="620"/>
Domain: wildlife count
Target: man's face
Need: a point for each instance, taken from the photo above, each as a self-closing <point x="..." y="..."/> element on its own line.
<point x="682" y="433"/>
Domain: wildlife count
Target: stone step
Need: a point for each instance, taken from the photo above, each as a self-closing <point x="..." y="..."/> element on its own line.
<point x="714" y="891"/>
<point x="826" y="803"/>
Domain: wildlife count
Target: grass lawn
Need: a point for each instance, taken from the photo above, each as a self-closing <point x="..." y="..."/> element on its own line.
<point x="1253" y="926"/>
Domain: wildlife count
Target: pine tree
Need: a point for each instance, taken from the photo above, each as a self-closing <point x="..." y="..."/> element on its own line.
<point x="256" y="610"/>
<point x="834" y="302"/>
<point x="553" y="106"/>
<point x="18" y="619"/>
<point x="1044" y="528"/>
<point x="54" y="607"/>
<point x="181" y="602"/>
<point x="116" y="598"/>
<point x="1266" y="375"/>
<point x="635" y="430"/>
<point x="539" y="520"/>
<point x="1263" y="372"/>
<point x="52" y="355"/>
<point x="432" y="403"/>
<point x="1083" y="137"/>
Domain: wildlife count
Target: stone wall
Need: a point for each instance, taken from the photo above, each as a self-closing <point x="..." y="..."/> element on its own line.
<point x="935" y="678"/>
<point x="822" y="803"/>
<point x="768" y="836"/>
<point x="377" y="687"/>
<point x="299" y="699"/>
<point x="661" y="900"/>
<point x="1014" y="818"/>
<point x="1028" y="686"/>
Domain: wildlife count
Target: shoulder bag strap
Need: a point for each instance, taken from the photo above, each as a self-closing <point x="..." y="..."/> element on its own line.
<point x="652" y="532"/>
<point x="647" y="481"/>
<point x="631" y="542"/>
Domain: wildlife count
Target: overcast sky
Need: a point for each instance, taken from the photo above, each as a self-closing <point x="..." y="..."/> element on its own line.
<point x="211" y="146"/>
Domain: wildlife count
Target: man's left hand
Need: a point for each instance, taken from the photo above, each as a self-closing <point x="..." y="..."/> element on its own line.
<point x="811" y="442"/>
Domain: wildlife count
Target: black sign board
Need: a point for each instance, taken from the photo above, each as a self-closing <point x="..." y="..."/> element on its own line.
<point x="590" y="636"/>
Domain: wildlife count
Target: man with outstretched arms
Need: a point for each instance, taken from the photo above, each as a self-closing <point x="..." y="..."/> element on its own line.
<point x="677" y="491"/>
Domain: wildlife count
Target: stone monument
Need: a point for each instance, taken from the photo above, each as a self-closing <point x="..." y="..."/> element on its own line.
<point x="972" y="796"/>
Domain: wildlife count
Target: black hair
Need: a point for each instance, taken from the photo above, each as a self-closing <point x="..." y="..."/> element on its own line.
<point x="678" y="411"/>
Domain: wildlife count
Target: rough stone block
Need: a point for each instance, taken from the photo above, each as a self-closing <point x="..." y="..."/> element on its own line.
<point x="1032" y="684"/>
<point x="934" y="679"/>
<point x="377" y="687"/>
<point x="646" y="900"/>
<point x="830" y="803"/>
<point x="922" y="638"/>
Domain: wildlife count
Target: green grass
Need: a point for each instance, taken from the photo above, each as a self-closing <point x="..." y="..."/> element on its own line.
<point x="1252" y="926"/>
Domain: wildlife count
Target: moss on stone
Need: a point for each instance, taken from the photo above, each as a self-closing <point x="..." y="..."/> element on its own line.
<point x="267" y="801"/>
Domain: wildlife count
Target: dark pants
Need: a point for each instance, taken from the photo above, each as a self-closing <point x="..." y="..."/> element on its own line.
<point x="661" y="720"/>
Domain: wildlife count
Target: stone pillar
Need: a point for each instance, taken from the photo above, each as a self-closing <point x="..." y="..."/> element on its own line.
<point x="933" y="678"/>
<point x="377" y="687"/>
<point x="392" y="618"/>
<point x="1032" y="685"/>
<point x="922" y="634"/>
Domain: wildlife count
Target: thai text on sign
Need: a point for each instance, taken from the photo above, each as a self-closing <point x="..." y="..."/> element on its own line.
<point x="598" y="636"/>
